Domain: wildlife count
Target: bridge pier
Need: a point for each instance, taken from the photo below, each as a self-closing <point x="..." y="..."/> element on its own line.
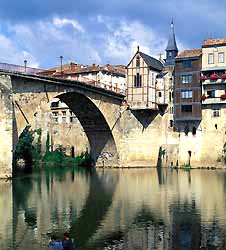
<point x="6" y="127"/>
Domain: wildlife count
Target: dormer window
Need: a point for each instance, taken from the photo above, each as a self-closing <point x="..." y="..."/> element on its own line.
<point x="138" y="61"/>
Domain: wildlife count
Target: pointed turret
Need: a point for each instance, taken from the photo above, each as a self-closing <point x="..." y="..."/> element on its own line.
<point x="171" y="49"/>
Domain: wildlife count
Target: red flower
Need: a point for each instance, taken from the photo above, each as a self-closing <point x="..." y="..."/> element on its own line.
<point x="203" y="78"/>
<point x="203" y="97"/>
<point x="214" y="77"/>
<point x="223" y="97"/>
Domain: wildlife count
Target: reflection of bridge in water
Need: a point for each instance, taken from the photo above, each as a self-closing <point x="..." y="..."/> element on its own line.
<point x="130" y="209"/>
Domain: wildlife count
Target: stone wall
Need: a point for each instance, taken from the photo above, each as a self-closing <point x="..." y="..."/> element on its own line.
<point x="142" y="138"/>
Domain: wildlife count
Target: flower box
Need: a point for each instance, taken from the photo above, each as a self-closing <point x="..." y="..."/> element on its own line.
<point x="214" y="77"/>
<point x="223" y="76"/>
<point x="223" y="97"/>
<point x="203" y="78"/>
<point x="203" y="98"/>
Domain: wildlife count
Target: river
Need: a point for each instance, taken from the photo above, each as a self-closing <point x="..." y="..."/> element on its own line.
<point x="129" y="209"/>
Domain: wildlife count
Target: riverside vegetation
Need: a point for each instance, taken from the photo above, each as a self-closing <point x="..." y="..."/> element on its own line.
<point x="28" y="153"/>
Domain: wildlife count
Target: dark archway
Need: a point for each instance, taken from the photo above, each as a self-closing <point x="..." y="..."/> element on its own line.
<point x="102" y="144"/>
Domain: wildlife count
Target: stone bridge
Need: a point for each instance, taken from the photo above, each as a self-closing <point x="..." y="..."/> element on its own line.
<point x="25" y="100"/>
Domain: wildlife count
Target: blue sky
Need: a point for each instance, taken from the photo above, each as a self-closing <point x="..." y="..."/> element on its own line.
<point x="102" y="31"/>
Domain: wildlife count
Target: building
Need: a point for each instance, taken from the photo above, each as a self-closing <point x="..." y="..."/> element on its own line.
<point x="111" y="77"/>
<point x="214" y="78"/>
<point x="150" y="81"/>
<point x="142" y="71"/>
<point x="65" y="129"/>
<point x="187" y="101"/>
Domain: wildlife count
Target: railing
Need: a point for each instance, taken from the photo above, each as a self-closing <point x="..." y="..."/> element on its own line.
<point x="108" y="86"/>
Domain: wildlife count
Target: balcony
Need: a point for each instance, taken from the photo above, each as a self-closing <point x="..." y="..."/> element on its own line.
<point x="214" y="100"/>
<point x="213" y="79"/>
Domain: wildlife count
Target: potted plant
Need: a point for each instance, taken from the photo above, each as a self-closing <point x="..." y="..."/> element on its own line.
<point x="203" y="77"/>
<point x="203" y="97"/>
<point x="214" y="76"/>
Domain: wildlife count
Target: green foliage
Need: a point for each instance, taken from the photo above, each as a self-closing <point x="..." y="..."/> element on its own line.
<point x="24" y="149"/>
<point x="47" y="142"/>
<point x="28" y="153"/>
<point x="59" y="158"/>
<point x="37" y="153"/>
<point x="186" y="166"/>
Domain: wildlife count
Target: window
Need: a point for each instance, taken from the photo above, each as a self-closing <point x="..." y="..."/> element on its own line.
<point x="54" y="104"/>
<point x="153" y="79"/>
<point x="186" y="130"/>
<point x="170" y="96"/>
<point x="216" y="112"/>
<point x="187" y="63"/>
<point x="171" y="123"/>
<point x="210" y="58"/>
<point x="186" y="78"/>
<point x="137" y="81"/>
<point x="211" y="93"/>
<point x="160" y="94"/>
<point x="194" y="130"/>
<point x="221" y="57"/>
<point x="55" y="119"/>
<point x="55" y="113"/>
<point x="63" y="119"/>
<point x="138" y="61"/>
<point x="73" y="119"/>
<point x="63" y="113"/>
<point x="186" y="108"/>
<point x="186" y="94"/>
<point x="171" y="110"/>
<point x="170" y="54"/>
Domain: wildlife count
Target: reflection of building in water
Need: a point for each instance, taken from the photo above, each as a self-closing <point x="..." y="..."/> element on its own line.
<point x="138" y="210"/>
<point x="65" y="129"/>
<point x="186" y="226"/>
<point x="46" y="205"/>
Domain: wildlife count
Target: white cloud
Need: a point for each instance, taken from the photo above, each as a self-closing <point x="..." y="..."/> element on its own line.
<point x="123" y="37"/>
<point x="10" y="53"/>
<point x="121" y="42"/>
<point x="61" y="22"/>
<point x="113" y="41"/>
<point x="50" y="39"/>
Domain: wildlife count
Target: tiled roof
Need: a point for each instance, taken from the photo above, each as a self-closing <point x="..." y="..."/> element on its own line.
<point x="152" y="62"/>
<point x="73" y="69"/>
<point x="190" y="53"/>
<point x="211" y="42"/>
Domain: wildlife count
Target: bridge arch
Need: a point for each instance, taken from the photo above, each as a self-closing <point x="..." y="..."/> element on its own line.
<point x="103" y="147"/>
<point x="25" y="100"/>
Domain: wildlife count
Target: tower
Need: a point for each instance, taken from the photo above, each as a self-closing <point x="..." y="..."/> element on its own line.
<point x="171" y="49"/>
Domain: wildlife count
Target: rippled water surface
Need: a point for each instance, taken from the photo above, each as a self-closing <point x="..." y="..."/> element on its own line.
<point x="115" y="209"/>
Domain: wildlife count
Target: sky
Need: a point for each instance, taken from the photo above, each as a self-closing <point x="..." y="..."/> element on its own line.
<point x="102" y="31"/>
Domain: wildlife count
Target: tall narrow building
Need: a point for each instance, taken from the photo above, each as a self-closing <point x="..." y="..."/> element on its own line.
<point x="171" y="49"/>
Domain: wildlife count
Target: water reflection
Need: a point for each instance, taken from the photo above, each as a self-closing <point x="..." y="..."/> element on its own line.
<point x="116" y="209"/>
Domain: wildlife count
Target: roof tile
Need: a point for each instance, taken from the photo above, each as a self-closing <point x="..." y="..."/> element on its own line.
<point x="190" y="53"/>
